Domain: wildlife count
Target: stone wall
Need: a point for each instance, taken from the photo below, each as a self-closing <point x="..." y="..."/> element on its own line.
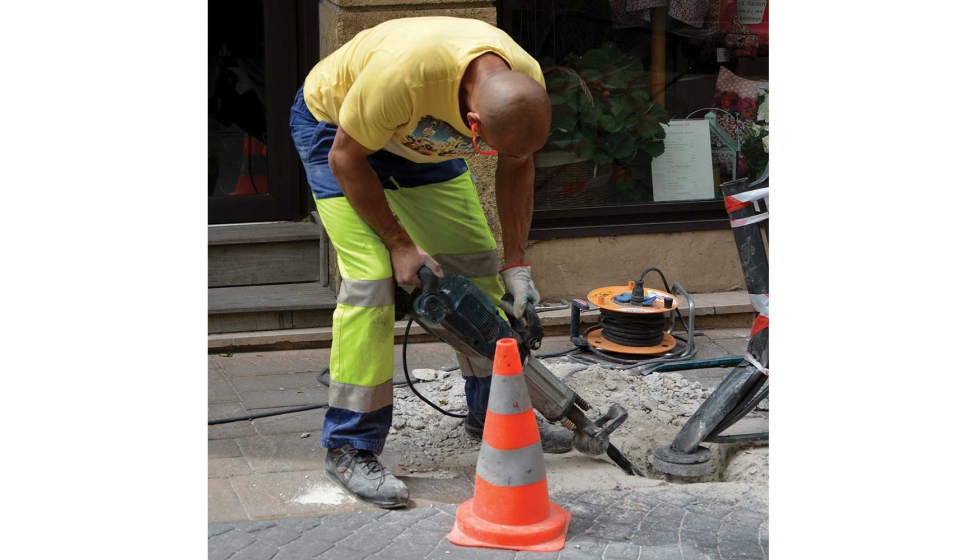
<point x="702" y="261"/>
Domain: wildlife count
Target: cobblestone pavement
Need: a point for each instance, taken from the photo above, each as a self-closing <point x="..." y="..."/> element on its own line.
<point x="716" y="521"/>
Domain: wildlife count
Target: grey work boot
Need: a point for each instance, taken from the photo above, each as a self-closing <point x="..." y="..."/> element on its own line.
<point x="361" y="474"/>
<point x="554" y="439"/>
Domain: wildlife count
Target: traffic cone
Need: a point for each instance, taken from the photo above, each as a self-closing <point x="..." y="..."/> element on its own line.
<point x="254" y="175"/>
<point x="510" y="508"/>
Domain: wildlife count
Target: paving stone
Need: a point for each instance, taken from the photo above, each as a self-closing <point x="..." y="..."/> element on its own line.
<point x="379" y="536"/>
<point x="340" y="552"/>
<point x="310" y="545"/>
<point x="617" y="527"/>
<point x="275" y="495"/>
<point x="298" y="422"/>
<point x="524" y="555"/>
<point x="263" y="363"/>
<point x="276" y="535"/>
<point x="730" y="550"/>
<point x="675" y="496"/>
<point x="218" y="528"/>
<point x="433" y="491"/>
<point x="448" y="551"/>
<point x="252" y="526"/>
<point x="411" y="516"/>
<point x="273" y="382"/>
<point x="708" y="349"/>
<point x="282" y="453"/>
<point x="233" y="430"/>
<point x="299" y="524"/>
<point x="727" y="333"/>
<point x="599" y="497"/>
<point x="351" y="522"/>
<point x="223" y="503"/>
<point x="219" y="389"/>
<point x="665" y="530"/>
<point x="223" y="448"/>
<point x="223" y="546"/>
<point x="258" y="550"/>
<point x="274" y="398"/>
<point x="441" y="523"/>
<point x="695" y="523"/>
<point x="580" y="547"/>
<point x="666" y="551"/>
<point x="734" y="346"/>
<point x="621" y="551"/>
<point x="228" y="467"/>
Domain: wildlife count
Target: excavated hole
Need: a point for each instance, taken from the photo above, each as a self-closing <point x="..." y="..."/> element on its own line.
<point x="424" y="441"/>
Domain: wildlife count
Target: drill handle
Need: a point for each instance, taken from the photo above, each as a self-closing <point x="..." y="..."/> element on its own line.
<point x="430" y="282"/>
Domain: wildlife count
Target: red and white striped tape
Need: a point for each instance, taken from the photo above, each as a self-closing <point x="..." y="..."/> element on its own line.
<point x="751" y="359"/>
<point x="741" y="200"/>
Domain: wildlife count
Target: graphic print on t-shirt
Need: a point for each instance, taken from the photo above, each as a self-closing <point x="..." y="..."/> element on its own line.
<point x="435" y="137"/>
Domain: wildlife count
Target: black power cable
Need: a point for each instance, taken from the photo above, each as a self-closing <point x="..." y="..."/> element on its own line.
<point x="409" y="378"/>
<point x="633" y="329"/>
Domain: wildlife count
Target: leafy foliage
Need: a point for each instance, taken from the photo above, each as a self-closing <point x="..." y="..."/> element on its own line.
<point x="601" y="108"/>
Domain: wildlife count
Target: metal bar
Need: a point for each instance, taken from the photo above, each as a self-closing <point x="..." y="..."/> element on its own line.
<point x="699" y="364"/>
<point x="740" y="438"/>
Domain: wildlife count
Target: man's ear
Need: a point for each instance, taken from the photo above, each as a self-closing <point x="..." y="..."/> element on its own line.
<point x="472" y="118"/>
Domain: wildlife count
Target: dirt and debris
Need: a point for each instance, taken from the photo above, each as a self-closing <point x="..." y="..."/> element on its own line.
<point x="658" y="405"/>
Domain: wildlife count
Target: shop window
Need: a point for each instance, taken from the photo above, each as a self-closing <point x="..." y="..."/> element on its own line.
<point x="651" y="102"/>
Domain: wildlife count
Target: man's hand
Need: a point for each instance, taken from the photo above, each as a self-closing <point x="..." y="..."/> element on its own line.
<point x="406" y="262"/>
<point x="518" y="283"/>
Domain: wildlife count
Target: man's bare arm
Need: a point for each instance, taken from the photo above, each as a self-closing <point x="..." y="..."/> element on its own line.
<point x="515" y="203"/>
<point x="362" y="188"/>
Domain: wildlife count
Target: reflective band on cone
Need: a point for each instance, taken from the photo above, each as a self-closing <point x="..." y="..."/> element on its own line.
<point x="510" y="508"/>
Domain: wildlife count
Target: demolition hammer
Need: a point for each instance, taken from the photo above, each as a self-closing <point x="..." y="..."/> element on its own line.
<point x="457" y="312"/>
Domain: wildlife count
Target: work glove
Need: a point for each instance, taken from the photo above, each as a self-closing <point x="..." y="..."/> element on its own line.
<point x="518" y="283"/>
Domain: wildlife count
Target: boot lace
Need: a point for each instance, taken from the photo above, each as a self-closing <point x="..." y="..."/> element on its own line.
<point x="367" y="459"/>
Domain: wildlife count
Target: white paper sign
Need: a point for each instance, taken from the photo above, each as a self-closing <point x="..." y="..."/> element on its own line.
<point x="683" y="171"/>
<point x="751" y="11"/>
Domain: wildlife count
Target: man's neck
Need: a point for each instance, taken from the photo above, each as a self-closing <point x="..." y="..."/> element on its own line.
<point x="478" y="69"/>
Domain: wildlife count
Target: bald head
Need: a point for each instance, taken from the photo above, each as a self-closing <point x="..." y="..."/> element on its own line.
<point x="514" y="112"/>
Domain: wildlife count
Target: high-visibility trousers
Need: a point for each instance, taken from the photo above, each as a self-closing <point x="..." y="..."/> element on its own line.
<point x="440" y="209"/>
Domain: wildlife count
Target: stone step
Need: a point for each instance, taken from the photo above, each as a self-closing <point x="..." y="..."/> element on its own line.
<point x="265" y="253"/>
<point x="274" y="307"/>
<point x="712" y="310"/>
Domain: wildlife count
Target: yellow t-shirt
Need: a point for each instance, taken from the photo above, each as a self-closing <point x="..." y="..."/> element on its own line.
<point x="396" y="86"/>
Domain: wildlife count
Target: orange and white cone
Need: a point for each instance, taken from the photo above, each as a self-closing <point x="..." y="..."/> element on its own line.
<point x="510" y="507"/>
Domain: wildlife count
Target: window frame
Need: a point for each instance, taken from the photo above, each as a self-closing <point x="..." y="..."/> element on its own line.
<point x="637" y="218"/>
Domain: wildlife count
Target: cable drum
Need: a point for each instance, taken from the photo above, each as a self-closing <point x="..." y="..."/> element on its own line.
<point x="633" y="329"/>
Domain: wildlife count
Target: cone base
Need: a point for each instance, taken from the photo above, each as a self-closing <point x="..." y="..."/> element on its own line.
<point x="545" y="536"/>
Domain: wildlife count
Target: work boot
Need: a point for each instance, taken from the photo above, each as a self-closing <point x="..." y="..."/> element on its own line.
<point x="362" y="474"/>
<point x="554" y="439"/>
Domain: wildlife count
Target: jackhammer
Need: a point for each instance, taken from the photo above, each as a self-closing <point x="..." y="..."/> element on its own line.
<point x="457" y="312"/>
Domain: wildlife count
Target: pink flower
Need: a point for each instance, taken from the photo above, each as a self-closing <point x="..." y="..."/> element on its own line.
<point x="726" y="99"/>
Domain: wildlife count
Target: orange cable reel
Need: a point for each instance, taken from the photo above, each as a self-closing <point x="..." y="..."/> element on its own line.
<point x="605" y="299"/>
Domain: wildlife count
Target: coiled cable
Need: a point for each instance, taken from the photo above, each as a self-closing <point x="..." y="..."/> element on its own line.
<point x="633" y="329"/>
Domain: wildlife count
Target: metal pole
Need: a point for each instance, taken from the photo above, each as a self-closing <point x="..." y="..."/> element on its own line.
<point x="685" y="456"/>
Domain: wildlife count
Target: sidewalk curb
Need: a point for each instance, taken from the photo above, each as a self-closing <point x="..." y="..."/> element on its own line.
<point x="712" y="310"/>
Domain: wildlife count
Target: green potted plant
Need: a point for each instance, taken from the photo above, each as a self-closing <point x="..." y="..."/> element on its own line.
<point x="602" y="113"/>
